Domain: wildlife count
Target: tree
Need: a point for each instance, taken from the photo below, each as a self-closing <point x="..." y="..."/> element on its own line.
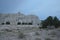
<point x="47" y="22"/>
<point x="44" y="24"/>
<point x="56" y="22"/>
<point x="59" y="23"/>
<point x="50" y="21"/>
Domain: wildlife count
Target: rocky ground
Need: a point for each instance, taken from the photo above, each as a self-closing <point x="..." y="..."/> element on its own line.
<point x="30" y="34"/>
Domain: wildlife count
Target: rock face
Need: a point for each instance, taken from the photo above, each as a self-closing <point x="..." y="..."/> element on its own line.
<point x="19" y="19"/>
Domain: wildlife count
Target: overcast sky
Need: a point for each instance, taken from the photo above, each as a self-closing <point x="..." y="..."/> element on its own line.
<point x="41" y="8"/>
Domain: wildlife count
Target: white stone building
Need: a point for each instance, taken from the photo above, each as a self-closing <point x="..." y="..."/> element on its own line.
<point x="19" y="19"/>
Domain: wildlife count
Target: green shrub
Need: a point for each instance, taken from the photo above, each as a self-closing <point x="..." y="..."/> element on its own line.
<point x="48" y="39"/>
<point x="2" y="33"/>
<point x="21" y="35"/>
<point x="38" y="39"/>
<point x="37" y="33"/>
<point x="8" y="30"/>
<point x="53" y="33"/>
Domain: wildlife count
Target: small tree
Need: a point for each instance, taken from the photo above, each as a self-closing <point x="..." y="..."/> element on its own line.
<point x="49" y="21"/>
<point x="56" y="22"/>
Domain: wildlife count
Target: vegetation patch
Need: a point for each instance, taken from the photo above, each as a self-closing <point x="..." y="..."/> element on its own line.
<point x="38" y="39"/>
<point x="37" y="33"/>
<point x="21" y="35"/>
<point x="2" y="33"/>
<point x="8" y="30"/>
<point x="48" y="39"/>
<point x="50" y="22"/>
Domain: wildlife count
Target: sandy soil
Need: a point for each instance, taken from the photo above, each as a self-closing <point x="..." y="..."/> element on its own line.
<point x="32" y="34"/>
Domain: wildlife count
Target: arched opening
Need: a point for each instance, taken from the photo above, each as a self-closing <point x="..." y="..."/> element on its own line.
<point x="7" y="23"/>
<point x="2" y="23"/>
<point x="38" y="24"/>
<point x="23" y="23"/>
<point x="18" y="23"/>
<point x="30" y="23"/>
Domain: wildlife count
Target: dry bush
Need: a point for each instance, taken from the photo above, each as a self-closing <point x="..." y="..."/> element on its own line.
<point x="38" y="39"/>
<point x="53" y="33"/>
<point x="21" y="35"/>
<point x="37" y="33"/>
<point x="48" y="39"/>
<point x="8" y="30"/>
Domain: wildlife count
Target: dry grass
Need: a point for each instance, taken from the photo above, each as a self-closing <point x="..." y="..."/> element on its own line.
<point x="21" y="35"/>
<point x="48" y="39"/>
<point x="38" y="39"/>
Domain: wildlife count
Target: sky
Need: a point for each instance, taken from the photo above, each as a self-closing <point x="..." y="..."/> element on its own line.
<point x="40" y="8"/>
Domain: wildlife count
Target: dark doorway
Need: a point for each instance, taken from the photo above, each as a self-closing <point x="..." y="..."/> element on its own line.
<point x="8" y="23"/>
<point x="30" y="23"/>
<point x="18" y="23"/>
<point x="2" y="23"/>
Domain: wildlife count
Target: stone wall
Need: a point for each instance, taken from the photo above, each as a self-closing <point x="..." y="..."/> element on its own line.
<point x="19" y="20"/>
